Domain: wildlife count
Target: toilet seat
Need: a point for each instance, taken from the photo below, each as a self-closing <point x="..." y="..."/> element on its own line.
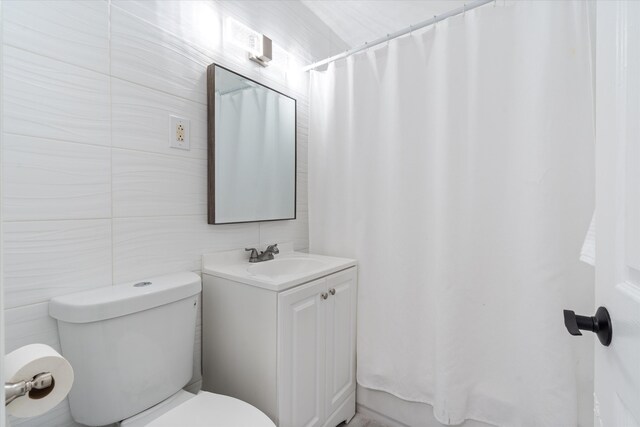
<point x="212" y="410"/>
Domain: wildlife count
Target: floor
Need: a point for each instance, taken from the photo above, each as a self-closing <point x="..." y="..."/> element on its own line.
<point x="362" y="421"/>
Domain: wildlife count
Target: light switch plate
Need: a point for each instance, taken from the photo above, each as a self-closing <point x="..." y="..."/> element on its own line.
<point x="179" y="133"/>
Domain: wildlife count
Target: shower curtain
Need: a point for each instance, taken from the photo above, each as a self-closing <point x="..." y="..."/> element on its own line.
<point x="456" y="166"/>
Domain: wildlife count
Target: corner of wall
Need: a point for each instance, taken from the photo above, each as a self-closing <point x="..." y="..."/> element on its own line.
<point x="2" y="334"/>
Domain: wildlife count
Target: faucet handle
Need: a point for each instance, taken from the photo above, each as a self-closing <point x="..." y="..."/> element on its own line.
<point x="273" y="249"/>
<point x="254" y="254"/>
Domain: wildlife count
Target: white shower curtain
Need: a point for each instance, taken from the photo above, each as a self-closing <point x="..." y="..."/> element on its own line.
<point x="456" y="166"/>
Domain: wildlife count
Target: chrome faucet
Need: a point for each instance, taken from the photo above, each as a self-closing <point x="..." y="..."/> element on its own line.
<point x="267" y="255"/>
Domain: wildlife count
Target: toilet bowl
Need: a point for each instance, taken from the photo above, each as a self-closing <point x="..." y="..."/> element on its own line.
<point x="131" y="348"/>
<point x="202" y="410"/>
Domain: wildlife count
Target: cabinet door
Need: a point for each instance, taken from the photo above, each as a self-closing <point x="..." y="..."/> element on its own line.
<point x="341" y="338"/>
<point x="301" y="349"/>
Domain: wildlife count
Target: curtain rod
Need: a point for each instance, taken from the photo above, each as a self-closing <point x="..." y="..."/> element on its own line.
<point x="423" y="24"/>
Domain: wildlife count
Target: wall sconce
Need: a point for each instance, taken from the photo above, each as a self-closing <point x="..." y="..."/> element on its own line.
<point x="259" y="46"/>
<point x="266" y="54"/>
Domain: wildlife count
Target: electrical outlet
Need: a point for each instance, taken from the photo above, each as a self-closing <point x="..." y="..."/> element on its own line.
<point x="179" y="133"/>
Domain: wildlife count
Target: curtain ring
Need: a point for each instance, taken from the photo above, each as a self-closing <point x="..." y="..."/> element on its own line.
<point x="464" y="9"/>
<point x="435" y="20"/>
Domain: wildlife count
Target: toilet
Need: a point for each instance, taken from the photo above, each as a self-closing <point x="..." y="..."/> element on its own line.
<point x="131" y="348"/>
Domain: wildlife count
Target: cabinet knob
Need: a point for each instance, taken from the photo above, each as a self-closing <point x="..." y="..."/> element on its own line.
<point x="324" y="295"/>
<point x="332" y="291"/>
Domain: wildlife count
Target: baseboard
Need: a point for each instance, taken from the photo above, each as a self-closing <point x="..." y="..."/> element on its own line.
<point x="194" y="387"/>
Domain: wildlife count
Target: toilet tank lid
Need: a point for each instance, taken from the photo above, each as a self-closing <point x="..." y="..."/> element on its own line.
<point x="119" y="300"/>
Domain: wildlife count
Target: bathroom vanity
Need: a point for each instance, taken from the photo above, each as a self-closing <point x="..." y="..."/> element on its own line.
<point x="281" y="334"/>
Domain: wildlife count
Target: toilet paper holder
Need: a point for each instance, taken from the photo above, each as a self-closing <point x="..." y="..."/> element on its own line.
<point x="43" y="382"/>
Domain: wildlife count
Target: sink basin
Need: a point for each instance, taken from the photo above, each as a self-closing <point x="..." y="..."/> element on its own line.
<point x="286" y="267"/>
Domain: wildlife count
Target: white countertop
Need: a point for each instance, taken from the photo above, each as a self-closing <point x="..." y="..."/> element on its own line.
<point x="234" y="265"/>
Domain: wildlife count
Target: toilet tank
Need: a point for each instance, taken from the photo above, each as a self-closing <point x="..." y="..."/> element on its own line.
<point x="130" y="345"/>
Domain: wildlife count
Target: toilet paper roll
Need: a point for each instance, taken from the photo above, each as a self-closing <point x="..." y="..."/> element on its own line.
<point x="25" y="363"/>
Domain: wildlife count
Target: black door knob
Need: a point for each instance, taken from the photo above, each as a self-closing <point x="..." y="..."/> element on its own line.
<point x="600" y="324"/>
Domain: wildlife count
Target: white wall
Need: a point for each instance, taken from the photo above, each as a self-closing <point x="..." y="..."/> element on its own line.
<point x="92" y="193"/>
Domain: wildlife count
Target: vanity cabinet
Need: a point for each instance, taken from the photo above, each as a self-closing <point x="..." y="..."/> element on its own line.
<point x="316" y="346"/>
<point x="290" y="353"/>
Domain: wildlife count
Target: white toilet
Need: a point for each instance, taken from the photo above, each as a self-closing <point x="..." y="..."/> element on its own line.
<point x="131" y="348"/>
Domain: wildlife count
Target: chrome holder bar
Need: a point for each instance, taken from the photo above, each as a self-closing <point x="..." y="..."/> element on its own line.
<point x="12" y="391"/>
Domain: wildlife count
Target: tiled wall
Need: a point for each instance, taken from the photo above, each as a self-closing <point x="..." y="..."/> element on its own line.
<point x="92" y="193"/>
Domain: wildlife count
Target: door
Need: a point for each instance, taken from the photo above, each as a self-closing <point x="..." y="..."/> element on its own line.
<point x="301" y="351"/>
<point x="341" y="338"/>
<point x="617" y="367"/>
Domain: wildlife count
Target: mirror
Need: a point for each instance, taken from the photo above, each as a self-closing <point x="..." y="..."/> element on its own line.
<point x="252" y="150"/>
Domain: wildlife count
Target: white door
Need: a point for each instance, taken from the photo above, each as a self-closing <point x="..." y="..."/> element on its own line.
<point x="341" y="338"/>
<point x="301" y="349"/>
<point x="617" y="367"/>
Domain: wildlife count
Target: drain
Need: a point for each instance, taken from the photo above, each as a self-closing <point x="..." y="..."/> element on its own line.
<point x="141" y="284"/>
